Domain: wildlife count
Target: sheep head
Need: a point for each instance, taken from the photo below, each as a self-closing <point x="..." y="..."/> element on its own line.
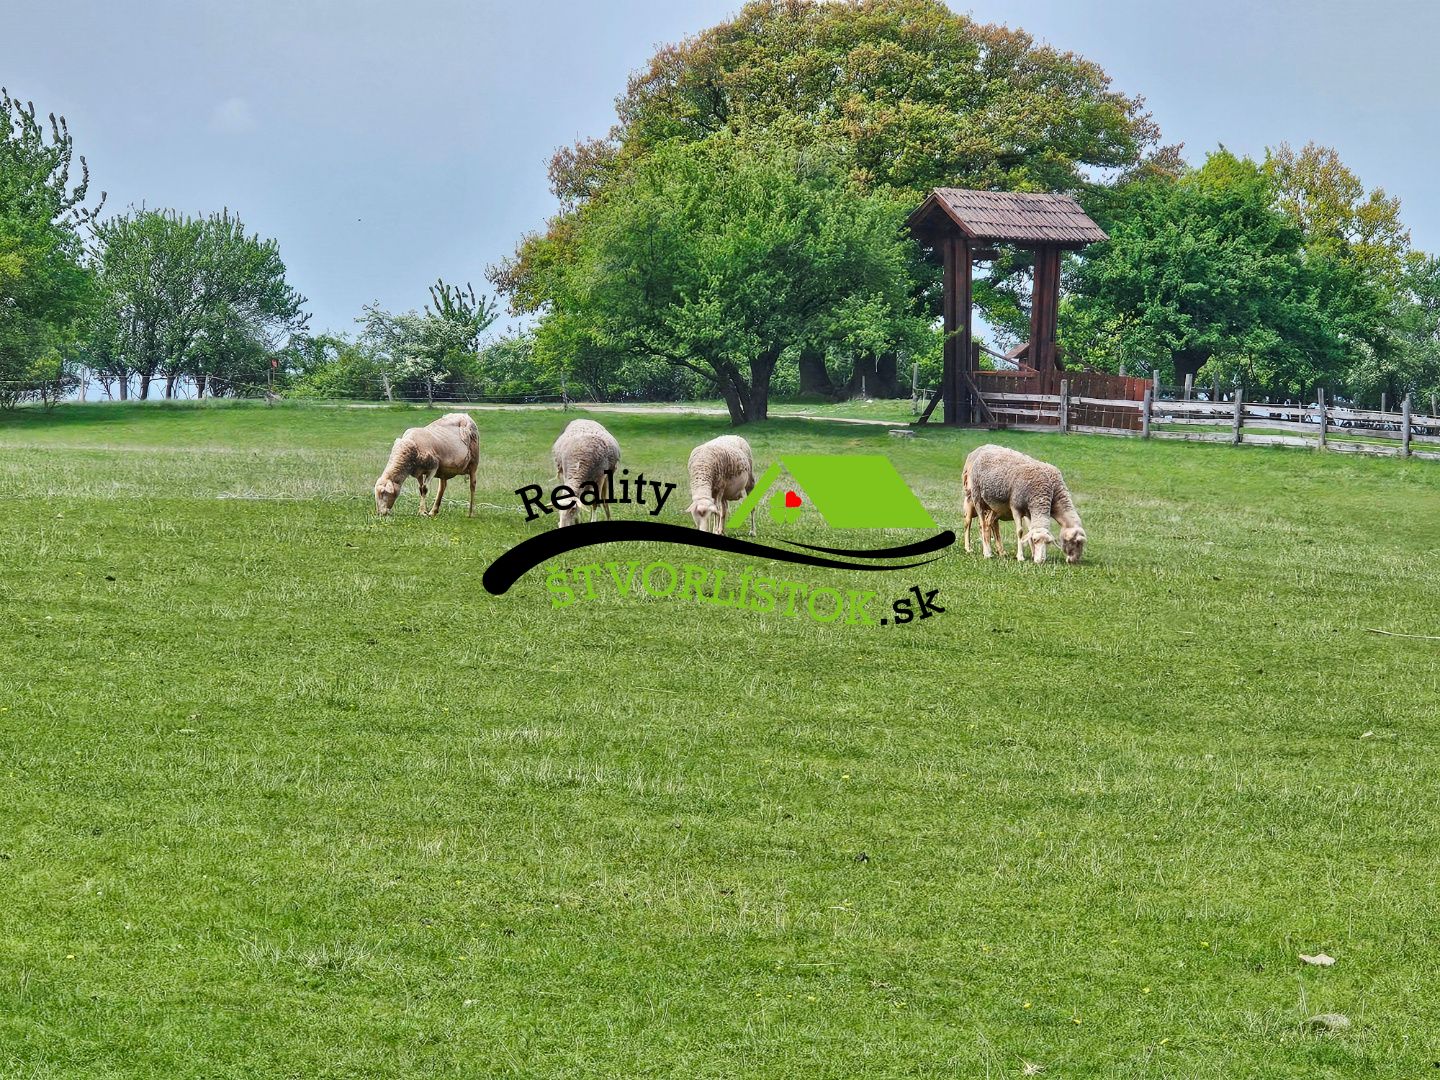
<point x="1038" y="537"/>
<point x="1072" y="539"/>
<point x="386" y="492"/>
<point x="701" y="510"/>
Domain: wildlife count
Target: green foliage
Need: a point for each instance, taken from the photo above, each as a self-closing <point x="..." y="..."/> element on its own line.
<point x="1337" y="216"/>
<point x="718" y="257"/>
<point x="1409" y="361"/>
<point x="184" y="297"/>
<point x="44" y="287"/>
<point x="1205" y="270"/>
<point x="417" y="351"/>
<point x="905" y="95"/>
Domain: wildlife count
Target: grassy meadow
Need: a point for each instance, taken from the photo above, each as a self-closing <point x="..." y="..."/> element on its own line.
<point x="288" y="794"/>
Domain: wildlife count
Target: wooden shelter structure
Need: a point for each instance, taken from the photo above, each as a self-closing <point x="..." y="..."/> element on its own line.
<point x="963" y="227"/>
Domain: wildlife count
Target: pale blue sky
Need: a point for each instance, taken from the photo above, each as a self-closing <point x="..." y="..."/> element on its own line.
<point x="386" y="143"/>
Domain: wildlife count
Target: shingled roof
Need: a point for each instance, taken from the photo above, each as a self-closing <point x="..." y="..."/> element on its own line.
<point x="1007" y="217"/>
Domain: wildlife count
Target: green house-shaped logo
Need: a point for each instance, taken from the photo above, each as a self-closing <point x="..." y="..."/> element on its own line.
<point x="851" y="491"/>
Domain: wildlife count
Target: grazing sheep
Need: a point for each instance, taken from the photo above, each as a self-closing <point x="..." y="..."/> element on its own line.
<point x="721" y="471"/>
<point x="585" y="453"/>
<point x="989" y="519"/>
<point x="447" y="447"/>
<point x="1008" y="484"/>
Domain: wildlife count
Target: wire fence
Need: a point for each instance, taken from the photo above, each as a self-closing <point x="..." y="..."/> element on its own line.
<point x="89" y="387"/>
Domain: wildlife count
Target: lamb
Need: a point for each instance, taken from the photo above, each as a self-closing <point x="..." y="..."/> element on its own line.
<point x="721" y="470"/>
<point x="585" y="453"/>
<point x="447" y="447"/>
<point x="989" y="519"/>
<point x="1006" y="483"/>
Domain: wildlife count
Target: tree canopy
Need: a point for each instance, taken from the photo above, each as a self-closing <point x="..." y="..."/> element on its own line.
<point x="44" y="286"/>
<point x="190" y="297"/>
<point x="718" y="257"/>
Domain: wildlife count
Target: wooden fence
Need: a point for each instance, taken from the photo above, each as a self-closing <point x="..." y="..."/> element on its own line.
<point x="1317" y="426"/>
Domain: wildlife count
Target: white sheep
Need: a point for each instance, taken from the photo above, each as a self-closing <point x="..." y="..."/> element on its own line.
<point x="447" y="447"/>
<point x="721" y="471"/>
<point x="1008" y="484"/>
<point x="585" y="453"/>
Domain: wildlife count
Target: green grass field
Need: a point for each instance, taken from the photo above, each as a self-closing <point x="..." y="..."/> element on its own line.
<point x="287" y="794"/>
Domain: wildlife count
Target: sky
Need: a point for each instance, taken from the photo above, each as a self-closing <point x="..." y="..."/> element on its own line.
<point x="384" y="144"/>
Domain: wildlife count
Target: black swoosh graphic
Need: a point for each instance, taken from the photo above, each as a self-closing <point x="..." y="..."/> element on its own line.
<point x="526" y="555"/>
<point x="938" y="542"/>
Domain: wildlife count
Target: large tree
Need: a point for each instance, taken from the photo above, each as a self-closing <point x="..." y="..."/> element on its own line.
<point x="909" y="93"/>
<point x="719" y="257"/>
<point x="44" y="287"/>
<point x="190" y="297"/>
<point x="1206" y="270"/>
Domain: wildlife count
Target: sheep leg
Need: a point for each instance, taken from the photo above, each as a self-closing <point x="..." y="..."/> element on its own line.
<point x="724" y="513"/>
<point x="439" y="495"/>
<point x="969" y="516"/>
<point x="424" y="482"/>
<point x="1019" y="516"/>
<point x="605" y="494"/>
<point x="996" y="535"/>
<point x="472" y="494"/>
<point x="985" y="526"/>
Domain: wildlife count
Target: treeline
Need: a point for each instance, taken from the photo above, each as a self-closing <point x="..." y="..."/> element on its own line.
<point x="153" y="298"/>
<point x="742" y="223"/>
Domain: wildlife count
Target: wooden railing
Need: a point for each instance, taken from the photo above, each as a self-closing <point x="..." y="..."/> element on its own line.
<point x="1318" y="426"/>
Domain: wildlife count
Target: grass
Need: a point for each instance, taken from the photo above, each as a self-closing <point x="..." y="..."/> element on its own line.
<point x="287" y="794"/>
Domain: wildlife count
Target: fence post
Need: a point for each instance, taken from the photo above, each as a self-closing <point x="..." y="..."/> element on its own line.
<point x="1239" y="415"/>
<point x="430" y="390"/>
<point x="1320" y="442"/>
<point x="1384" y="400"/>
<point x="1145" y="416"/>
<point x="1064" y="405"/>
<point x="1405" y="427"/>
<point x="1215" y="385"/>
<point x="1189" y="385"/>
<point x="1155" y="380"/>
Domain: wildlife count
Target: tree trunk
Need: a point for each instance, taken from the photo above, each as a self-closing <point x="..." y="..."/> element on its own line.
<point x="124" y="381"/>
<point x="169" y="387"/>
<point x="814" y="375"/>
<point x="145" y="386"/>
<point x="863" y="378"/>
<point x="1188" y="362"/>
<point x="887" y="382"/>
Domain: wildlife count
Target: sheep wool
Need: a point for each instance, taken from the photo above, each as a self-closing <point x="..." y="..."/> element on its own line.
<point x="721" y="471"/>
<point x="1002" y="484"/>
<point x="585" y="453"/>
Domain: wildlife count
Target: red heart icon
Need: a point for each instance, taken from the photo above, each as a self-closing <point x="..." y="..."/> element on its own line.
<point x="791" y="499"/>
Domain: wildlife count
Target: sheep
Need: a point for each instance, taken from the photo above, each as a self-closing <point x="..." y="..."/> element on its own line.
<point x="989" y="519"/>
<point x="1007" y="483"/>
<point x="721" y="470"/>
<point x="585" y="453"/>
<point x="447" y="447"/>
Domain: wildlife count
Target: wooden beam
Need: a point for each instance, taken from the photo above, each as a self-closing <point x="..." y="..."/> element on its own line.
<point x="1044" y="307"/>
<point x="957" y="352"/>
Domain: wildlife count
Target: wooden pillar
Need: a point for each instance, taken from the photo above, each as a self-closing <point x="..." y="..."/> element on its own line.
<point x="1145" y="416"/>
<point x="1405" y="427"/>
<point x="1044" y="308"/>
<point x="957" y="330"/>
<point x="1320" y="402"/>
